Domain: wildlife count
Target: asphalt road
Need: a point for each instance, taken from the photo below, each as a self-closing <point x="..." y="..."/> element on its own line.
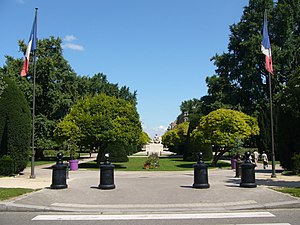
<point x="269" y="217"/>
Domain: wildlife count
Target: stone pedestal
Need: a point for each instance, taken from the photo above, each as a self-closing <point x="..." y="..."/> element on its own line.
<point x="154" y="149"/>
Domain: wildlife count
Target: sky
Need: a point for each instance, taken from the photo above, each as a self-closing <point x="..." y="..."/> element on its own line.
<point x="160" y="48"/>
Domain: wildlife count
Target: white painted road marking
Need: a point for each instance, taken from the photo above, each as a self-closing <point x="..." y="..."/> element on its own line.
<point x="155" y="216"/>
<point x="260" y="224"/>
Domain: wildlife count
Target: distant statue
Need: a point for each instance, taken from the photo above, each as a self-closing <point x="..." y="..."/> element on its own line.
<point x="156" y="139"/>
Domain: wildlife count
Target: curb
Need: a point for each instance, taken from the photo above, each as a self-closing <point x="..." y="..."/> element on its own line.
<point x="151" y="208"/>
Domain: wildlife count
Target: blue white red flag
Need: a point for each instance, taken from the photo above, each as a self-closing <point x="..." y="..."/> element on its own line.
<point x="266" y="46"/>
<point x="31" y="47"/>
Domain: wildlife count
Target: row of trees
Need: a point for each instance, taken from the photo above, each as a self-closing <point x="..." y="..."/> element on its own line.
<point x="220" y="130"/>
<point x="240" y="81"/>
<point x="60" y="93"/>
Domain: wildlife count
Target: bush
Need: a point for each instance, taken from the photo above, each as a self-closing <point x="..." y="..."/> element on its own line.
<point x="296" y="163"/>
<point x="15" y="125"/>
<point x="52" y="154"/>
<point x="131" y="149"/>
<point x="152" y="161"/>
<point x="7" y="166"/>
<point x="193" y="148"/>
<point x="117" y="152"/>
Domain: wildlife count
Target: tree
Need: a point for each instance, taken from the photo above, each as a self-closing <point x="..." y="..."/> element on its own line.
<point x="222" y="127"/>
<point x="2" y="85"/>
<point x="176" y="137"/>
<point x="15" y="125"/>
<point x="99" y="84"/>
<point x="144" y="139"/>
<point x="99" y="120"/>
<point x="192" y="110"/>
<point x="57" y="88"/>
<point x="241" y="81"/>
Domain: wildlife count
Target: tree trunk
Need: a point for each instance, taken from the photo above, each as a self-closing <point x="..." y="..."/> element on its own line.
<point x="101" y="152"/>
<point x="217" y="156"/>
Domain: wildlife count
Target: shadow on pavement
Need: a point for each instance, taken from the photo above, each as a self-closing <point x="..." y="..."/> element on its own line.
<point x="268" y="171"/>
<point x="278" y="183"/>
<point x="233" y="182"/>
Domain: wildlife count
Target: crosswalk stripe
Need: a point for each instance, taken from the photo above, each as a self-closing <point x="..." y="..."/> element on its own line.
<point x="260" y="224"/>
<point x="155" y="216"/>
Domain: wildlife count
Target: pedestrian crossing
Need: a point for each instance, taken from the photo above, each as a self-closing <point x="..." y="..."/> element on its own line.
<point x="227" y="215"/>
<point x="260" y="224"/>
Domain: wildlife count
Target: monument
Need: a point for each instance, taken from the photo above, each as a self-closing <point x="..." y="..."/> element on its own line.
<point x="155" y="147"/>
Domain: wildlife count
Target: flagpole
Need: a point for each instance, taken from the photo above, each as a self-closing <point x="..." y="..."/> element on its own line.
<point x="273" y="175"/>
<point x="32" y="174"/>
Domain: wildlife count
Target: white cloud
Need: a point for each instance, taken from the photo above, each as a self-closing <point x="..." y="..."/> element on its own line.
<point x="73" y="46"/>
<point x="21" y="1"/>
<point x="68" y="43"/>
<point x="162" y="127"/>
<point x="69" y="38"/>
<point x="152" y="131"/>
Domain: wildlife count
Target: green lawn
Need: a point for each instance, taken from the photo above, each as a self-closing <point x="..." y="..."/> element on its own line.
<point x="6" y="193"/>
<point x="292" y="191"/>
<point x="41" y="162"/>
<point x="165" y="164"/>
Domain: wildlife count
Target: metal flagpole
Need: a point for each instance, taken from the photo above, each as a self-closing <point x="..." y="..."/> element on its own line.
<point x="32" y="174"/>
<point x="273" y="175"/>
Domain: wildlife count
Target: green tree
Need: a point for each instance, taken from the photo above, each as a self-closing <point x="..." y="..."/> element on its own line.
<point x="101" y="120"/>
<point x="144" y="139"/>
<point x="99" y="84"/>
<point x="57" y="88"/>
<point x="241" y="81"/>
<point x="175" y="138"/>
<point x="15" y="125"/>
<point x="3" y="85"/>
<point x="222" y="127"/>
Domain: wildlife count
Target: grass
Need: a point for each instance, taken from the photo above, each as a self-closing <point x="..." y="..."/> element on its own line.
<point x="289" y="190"/>
<point x="51" y="160"/>
<point x="41" y="162"/>
<point x="6" y="193"/>
<point x="165" y="164"/>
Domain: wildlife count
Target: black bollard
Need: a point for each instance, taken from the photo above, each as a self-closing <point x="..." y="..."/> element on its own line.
<point x="59" y="173"/>
<point x="107" y="174"/>
<point x="200" y="173"/>
<point x="248" y="173"/>
<point x="238" y="169"/>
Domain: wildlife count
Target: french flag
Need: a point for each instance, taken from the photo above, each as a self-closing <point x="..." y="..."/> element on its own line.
<point x="266" y="46"/>
<point x="31" y="47"/>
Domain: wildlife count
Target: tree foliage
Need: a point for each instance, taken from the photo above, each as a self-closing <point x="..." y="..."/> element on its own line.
<point x="57" y="87"/>
<point x="15" y="125"/>
<point x="99" y="120"/>
<point x="144" y="139"/>
<point x="241" y="83"/>
<point x="175" y="138"/>
<point x="222" y="127"/>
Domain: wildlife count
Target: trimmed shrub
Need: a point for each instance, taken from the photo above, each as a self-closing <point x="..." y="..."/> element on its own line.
<point x="193" y="148"/>
<point x="288" y="138"/>
<point x="15" y="125"/>
<point x="131" y="149"/>
<point x="7" y="166"/>
<point x="117" y="152"/>
<point x="296" y="163"/>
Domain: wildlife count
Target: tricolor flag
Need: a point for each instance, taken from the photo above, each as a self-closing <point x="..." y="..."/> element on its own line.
<point x="31" y="47"/>
<point x="266" y="46"/>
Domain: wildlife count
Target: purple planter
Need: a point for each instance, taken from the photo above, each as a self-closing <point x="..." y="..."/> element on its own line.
<point x="233" y="163"/>
<point x="73" y="164"/>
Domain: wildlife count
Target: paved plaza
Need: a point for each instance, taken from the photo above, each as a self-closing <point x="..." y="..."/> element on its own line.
<point x="148" y="191"/>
